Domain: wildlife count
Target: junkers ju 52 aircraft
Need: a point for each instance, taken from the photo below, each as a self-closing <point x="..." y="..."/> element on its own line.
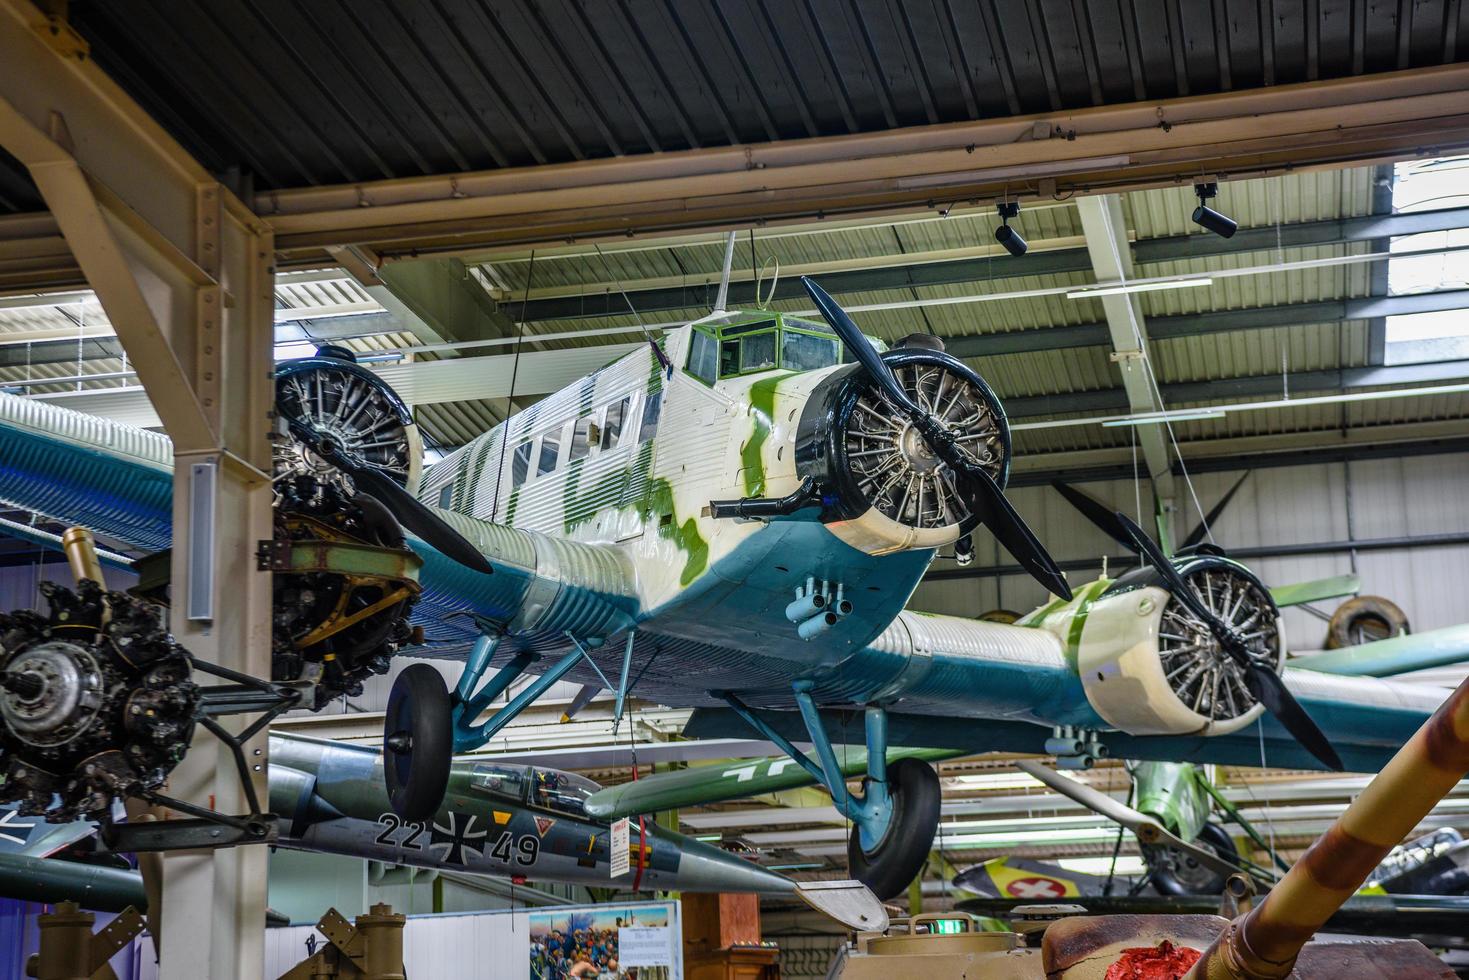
<point x="734" y="519"/>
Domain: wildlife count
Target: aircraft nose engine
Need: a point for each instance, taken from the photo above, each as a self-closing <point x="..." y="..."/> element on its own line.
<point x="884" y="489"/>
<point x="345" y="582"/>
<point x="1150" y="666"/>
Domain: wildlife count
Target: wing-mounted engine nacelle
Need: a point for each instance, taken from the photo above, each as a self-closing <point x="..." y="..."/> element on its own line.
<point x="882" y="488"/>
<point x="344" y="581"/>
<point x="1151" y="668"/>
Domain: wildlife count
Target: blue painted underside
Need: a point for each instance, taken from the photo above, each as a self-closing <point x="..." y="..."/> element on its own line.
<point x="124" y="500"/>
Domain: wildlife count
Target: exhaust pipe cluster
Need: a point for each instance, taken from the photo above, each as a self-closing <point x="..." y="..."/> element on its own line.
<point x="816" y="610"/>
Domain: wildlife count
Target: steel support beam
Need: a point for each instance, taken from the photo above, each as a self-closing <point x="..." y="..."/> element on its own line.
<point x="185" y="274"/>
<point x="1108" y="148"/>
<point x="1127" y="331"/>
<point x="1191" y="392"/>
<point x="445" y="298"/>
<point x="605" y="300"/>
<point x="1253" y="452"/>
<point x="1200" y="324"/>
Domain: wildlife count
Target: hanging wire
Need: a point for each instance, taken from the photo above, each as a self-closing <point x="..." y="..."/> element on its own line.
<point x="1157" y="393"/>
<point x="657" y="351"/>
<point x="514" y="372"/>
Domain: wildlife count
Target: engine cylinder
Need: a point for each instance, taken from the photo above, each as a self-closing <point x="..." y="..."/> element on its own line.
<point x="883" y="489"/>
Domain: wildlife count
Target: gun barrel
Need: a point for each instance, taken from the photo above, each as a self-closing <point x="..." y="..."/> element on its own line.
<point x="1264" y="944"/>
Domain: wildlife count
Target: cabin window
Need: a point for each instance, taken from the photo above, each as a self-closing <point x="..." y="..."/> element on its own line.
<point x="507" y="781"/>
<point x="550" y="451"/>
<point x="446" y="496"/>
<point x="702" y="354"/>
<point x="612" y="426"/>
<point x="651" y="410"/>
<point x="563" y="791"/>
<point x="581" y="437"/>
<point x="807" y="352"/>
<point x="519" y="464"/>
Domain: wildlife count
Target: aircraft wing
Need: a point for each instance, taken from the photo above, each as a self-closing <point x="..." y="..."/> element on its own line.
<point x="733" y="780"/>
<point x="1367" y="720"/>
<point x="34" y="837"/>
<point x="1395" y="655"/>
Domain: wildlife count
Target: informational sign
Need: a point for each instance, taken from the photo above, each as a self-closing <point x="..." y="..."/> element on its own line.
<point x="605" y="941"/>
<point x="645" y="946"/>
<point x="621" y="844"/>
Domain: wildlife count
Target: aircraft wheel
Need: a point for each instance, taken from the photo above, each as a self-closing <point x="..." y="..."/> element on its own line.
<point x="900" y="855"/>
<point x="1176" y="873"/>
<point x="417" y="742"/>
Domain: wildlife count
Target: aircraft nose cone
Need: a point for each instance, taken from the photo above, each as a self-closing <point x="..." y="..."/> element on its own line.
<point x="705" y="868"/>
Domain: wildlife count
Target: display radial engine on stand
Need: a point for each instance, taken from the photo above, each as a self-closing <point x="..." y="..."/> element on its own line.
<point x="730" y="518"/>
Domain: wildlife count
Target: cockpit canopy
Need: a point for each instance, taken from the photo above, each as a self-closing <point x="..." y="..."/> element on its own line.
<point x="550" y="789"/>
<point x="750" y="343"/>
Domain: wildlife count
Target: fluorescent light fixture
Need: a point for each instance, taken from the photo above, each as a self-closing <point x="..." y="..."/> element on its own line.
<point x="710" y="838"/>
<point x="1164" y="417"/>
<point x="1138" y="287"/>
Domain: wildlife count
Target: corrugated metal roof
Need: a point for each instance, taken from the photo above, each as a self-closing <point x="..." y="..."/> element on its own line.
<point x="296" y="94"/>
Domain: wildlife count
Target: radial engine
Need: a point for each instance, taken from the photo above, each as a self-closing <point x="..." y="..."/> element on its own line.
<point x="96" y="702"/>
<point x="345" y="581"/>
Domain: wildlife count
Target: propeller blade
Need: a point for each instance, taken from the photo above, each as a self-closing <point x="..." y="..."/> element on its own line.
<point x="1264" y="683"/>
<point x="1267" y="686"/>
<point x="1173" y="581"/>
<point x="982" y="495"/>
<point x="1202" y="529"/>
<point x="409" y="511"/>
<point x="987" y="501"/>
<point x="421" y="521"/>
<point x="860" y="347"/>
<point x="1104" y="517"/>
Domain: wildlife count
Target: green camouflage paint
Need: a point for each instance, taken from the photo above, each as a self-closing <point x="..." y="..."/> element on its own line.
<point x="762" y="410"/>
<point x="658" y="503"/>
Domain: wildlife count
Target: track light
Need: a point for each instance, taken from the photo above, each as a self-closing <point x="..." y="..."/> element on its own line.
<point x="1007" y="236"/>
<point x="1207" y="218"/>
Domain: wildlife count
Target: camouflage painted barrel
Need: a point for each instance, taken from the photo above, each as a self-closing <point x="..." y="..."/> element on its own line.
<point x="1264" y="944"/>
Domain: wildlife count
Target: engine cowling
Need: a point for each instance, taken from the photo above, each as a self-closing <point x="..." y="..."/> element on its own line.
<point x="1150" y="668"/>
<point x="883" y="490"/>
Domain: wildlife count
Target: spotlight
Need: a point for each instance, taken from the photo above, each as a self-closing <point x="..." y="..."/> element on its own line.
<point x="1207" y="218"/>
<point x="1007" y="236"/>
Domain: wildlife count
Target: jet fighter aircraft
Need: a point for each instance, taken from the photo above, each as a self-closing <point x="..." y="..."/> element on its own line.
<point x="732" y="518"/>
<point x="504" y="820"/>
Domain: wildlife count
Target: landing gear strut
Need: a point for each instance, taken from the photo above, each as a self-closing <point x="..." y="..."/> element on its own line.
<point x="895" y="817"/>
<point x="426" y="726"/>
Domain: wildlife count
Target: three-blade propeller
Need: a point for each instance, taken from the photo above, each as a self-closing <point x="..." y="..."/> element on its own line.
<point x="406" y="508"/>
<point x="1260" y="677"/>
<point x="981" y="494"/>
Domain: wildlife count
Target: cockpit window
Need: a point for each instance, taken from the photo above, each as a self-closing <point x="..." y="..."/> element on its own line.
<point x="508" y="781"/>
<point x="807" y="352"/>
<point x="758" y="353"/>
<point x="702" y="356"/>
<point x="563" y="791"/>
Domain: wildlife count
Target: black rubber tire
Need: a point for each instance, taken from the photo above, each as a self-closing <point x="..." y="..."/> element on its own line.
<point x="1372" y="615"/>
<point x="901" y="854"/>
<point x="1214" y="838"/>
<point x="417" y="774"/>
